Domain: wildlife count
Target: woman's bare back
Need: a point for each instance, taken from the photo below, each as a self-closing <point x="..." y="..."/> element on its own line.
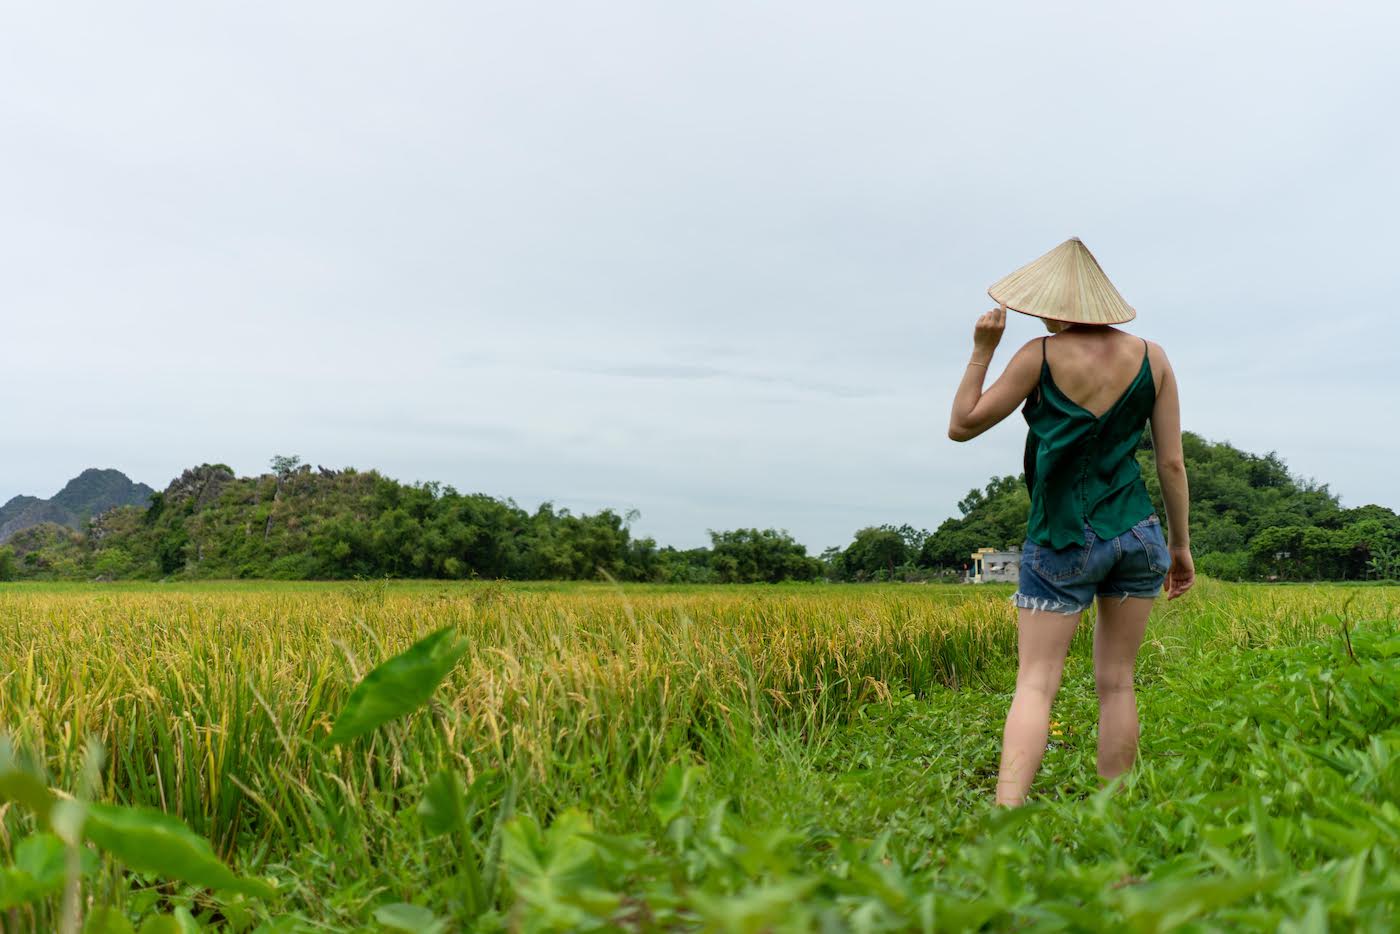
<point x="1094" y="366"/>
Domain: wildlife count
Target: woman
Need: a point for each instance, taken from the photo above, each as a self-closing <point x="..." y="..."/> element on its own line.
<point x="1088" y="390"/>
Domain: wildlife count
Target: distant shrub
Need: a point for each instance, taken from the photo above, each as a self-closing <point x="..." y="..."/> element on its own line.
<point x="1226" y="565"/>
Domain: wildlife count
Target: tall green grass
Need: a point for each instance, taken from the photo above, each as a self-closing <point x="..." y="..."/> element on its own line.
<point x="214" y="703"/>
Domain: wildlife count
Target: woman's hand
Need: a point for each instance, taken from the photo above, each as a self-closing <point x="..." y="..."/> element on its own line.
<point x="987" y="333"/>
<point x="1183" y="572"/>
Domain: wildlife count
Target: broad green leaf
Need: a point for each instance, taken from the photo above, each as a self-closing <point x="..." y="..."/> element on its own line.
<point x="41" y="855"/>
<point x="21" y="784"/>
<point x="18" y="888"/>
<point x="444" y="805"/>
<point x="1388" y="648"/>
<point x="668" y="800"/>
<point x="409" y="918"/>
<point x="756" y="909"/>
<point x="399" y="686"/>
<point x="38" y="871"/>
<point x="148" y="840"/>
<point x="107" y="921"/>
<point x="556" y="872"/>
<point x="561" y="854"/>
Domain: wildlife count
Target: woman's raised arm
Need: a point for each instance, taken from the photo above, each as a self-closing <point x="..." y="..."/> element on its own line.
<point x="974" y="411"/>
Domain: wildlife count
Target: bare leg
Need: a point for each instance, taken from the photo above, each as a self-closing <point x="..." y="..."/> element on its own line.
<point x="1116" y="640"/>
<point x="1042" y="645"/>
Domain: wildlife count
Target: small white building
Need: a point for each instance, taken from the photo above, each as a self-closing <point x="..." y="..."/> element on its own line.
<point x="989" y="564"/>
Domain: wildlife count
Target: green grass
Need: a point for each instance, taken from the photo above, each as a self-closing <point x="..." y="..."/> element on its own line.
<point x="1271" y="775"/>
<point x="738" y="758"/>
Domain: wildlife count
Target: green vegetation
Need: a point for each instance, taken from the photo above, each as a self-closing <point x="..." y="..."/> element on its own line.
<point x="298" y="524"/>
<point x="1251" y="520"/>
<point x="552" y="758"/>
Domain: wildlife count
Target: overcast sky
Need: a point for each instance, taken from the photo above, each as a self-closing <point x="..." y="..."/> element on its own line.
<point x="717" y="262"/>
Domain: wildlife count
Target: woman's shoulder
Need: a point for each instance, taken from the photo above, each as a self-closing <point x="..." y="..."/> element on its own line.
<point x="1156" y="354"/>
<point x="1156" y="360"/>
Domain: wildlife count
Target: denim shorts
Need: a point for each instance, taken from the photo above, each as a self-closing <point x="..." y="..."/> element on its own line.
<point x="1066" y="580"/>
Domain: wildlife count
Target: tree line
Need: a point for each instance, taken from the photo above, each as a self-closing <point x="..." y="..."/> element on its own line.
<point x="1251" y="519"/>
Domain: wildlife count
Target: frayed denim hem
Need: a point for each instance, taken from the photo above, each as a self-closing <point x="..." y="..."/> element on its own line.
<point x="1125" y="595"/>
<point x="1046" y="605"/>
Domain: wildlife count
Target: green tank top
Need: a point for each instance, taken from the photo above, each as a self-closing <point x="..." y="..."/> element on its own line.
<point x="1082" y="468"/>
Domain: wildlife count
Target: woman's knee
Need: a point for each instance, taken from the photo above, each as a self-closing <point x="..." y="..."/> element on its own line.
<point x="1038" y="682"/>
<point x="1113" y="681"/>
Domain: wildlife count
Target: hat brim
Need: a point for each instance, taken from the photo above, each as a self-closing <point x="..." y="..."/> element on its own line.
<point x="1036" y="314"/>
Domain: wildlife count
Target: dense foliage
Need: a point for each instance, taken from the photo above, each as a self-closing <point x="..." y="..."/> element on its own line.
<point x="1250" y="520"/>
<point x="300" y="523"/>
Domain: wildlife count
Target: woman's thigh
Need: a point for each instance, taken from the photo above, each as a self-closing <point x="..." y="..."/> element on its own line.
<point x="1042" y="644"/>
<point x="1122" y="622"/>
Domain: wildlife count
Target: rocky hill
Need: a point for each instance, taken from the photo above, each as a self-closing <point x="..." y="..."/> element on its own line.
<point x="86" y="496"/>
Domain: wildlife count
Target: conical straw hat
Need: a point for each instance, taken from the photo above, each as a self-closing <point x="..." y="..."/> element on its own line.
<point x="1066" y="284"/>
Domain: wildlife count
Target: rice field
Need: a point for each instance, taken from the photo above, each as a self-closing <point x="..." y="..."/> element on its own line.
<point x="576" y="757"/>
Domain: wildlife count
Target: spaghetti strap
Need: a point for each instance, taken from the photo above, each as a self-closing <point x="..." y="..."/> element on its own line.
<point x="1147" y="362"/>
<point x="1043" y="361"/>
